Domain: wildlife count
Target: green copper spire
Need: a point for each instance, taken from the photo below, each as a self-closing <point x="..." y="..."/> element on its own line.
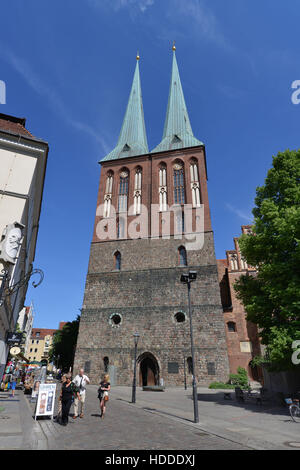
<point x="177" y="131"/>
<point x="132" y="140"/>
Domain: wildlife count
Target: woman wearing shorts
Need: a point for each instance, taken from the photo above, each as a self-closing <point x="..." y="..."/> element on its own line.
<point x="103" y="394"/>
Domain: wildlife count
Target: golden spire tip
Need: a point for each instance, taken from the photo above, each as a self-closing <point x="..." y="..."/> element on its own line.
<point x="137" y="56"/>
<point x="174" y="48"/>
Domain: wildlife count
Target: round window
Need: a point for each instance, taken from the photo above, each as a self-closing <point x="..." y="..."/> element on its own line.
<point x="179" y="317"/>
<point x="115" y="319"/>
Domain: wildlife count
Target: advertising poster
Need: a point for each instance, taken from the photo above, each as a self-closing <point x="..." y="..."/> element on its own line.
<point x="46" y="400"/>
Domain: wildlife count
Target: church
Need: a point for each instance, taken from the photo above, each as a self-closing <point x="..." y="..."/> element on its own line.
<point x="151" y="205"/>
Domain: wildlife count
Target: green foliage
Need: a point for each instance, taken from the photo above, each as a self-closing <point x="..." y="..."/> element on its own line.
<point x="240" y="379"/>
<point x="217" y="385"/>
<point x="64" y="344"/>
<point x="272" y="296"/>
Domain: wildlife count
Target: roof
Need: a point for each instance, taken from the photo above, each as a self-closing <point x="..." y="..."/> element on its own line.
<point x="132" y="139"/>
<point x="14" y="124"/>
<point x="62" y="324"/>
<point x="177" y="130"/>
<point x="43" y="332"/>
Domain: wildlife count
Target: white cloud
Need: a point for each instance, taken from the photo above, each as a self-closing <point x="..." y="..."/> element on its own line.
<point x="116" y="5"/>
<point x="245" y="215"/>
<point x="53" y="99"/>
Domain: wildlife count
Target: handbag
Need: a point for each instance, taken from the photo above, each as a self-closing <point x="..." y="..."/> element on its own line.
<point x="106" y="396"/>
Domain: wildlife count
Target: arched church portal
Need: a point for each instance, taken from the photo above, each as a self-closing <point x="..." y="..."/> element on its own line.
<point x="149" y="370"/>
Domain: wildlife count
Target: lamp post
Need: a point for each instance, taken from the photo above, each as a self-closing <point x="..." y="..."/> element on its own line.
<point x="184" y="372"/>
<point x="187" y="279"/>
<point x="136" y="339"/>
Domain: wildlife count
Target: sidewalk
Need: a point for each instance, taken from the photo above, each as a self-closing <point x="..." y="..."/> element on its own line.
<point x="18" y="430"/>
<point x="249" y="424"/>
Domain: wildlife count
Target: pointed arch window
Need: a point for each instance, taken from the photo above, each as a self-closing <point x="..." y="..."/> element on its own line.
<point x="179" y="190"/>
<point x="108" y="194"/>
<point x="162" y="189"/>
<point x="137" y="195"/>
<point x="123" y="191"/>
<point x="195" y="187"/>
<point x="118" y="260"/>
<point x="182" y="256"/>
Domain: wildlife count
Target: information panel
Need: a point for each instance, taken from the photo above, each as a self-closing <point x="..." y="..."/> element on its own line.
<point x="46" y="400"/>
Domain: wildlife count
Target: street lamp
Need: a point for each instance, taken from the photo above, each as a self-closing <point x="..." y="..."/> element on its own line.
<point x="136" y="339"/>
<point x="187" y="279"/>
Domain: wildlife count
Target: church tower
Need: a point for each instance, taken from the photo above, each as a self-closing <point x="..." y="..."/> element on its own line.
<point x="152" y="225"/>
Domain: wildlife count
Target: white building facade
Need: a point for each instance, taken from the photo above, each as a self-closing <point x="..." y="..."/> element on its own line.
<point x="23" y="160"/>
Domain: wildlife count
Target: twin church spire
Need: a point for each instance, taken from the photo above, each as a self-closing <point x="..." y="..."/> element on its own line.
<point x="177" y="130"/>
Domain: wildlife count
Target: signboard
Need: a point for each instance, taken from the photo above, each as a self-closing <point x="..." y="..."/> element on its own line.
<point x="13" y="338"/>
<point x="46" y="400"/>
<point x="14" y="351"/>
<point x="173" y="367"/>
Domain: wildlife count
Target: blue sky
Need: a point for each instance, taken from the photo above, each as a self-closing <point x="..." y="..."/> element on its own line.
<point x="68" y="68"/>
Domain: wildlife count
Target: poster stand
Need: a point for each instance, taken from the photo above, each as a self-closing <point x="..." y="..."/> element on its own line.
<point x="45" y="401"/>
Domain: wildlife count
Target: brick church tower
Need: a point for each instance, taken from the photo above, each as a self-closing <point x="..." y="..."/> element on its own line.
<point x="151" y="204"/>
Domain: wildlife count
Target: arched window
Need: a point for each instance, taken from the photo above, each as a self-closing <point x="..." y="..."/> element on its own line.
<point x="108" y="194"/>
<point x="231" y="326"/>
<point x="106" y="363"/>
<point x="137" y="194"/>
<point x="195" y="183"/>
<point x="179" y="190"/>
<point x="162" y="190"/>
<point x="118" y="260"/>
<point x="182" y="256"/>
<point x="190" y="365"/>
<point x="123" y="190"/>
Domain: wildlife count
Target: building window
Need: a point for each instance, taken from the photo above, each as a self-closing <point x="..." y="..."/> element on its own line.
<point x="162" y="189"/>
<point x="231" y="326"/>
<point x="118" y="260"/>
<point x="115" y="319"/>
<point x="182" y="256"/>
<point x="195" y="187"/>
<point x="35" y="350"/>
<point x="179" y="317"/>
<point x="137" y="194"/>
<point x="190" y="365"/>
<point x="37" y="334"/>
<point x="123" y="191"/>
<point x="179" y="191"/>
<point x="30" y="350"/>
<point x="32" y="342"/>
<point x="108" y="194"/>
<point x="106" y="363"/>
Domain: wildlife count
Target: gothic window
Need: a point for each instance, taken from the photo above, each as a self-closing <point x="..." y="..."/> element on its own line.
<point x="108" y="194"/>
<point x="195" y="187"/>
<point x="106" y="363"/>
<point x="180" y="222"/>
<point x="234" y="262"/>
<point x="244" y="263"/>
<point x="190" y="365"/>
<point x="179" y="191"/>
<point x="123" y="191"/>
<point x="120" y="227"/>
<point x="182" y="256"/>
<point x="118" y="260"/>
<point x="137" y="195"/>
<point x="231" y="326"/>
<point x="162" y="187"/>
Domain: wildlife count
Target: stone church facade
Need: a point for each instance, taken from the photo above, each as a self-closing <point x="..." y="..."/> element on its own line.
<point x="133" y="280"/>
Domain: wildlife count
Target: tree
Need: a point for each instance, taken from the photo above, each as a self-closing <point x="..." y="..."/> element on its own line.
<point x="64" y="344"/>
<point x="272" y="296"/>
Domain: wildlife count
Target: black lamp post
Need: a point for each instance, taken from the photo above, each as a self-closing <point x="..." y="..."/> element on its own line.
<point x="184" y="369"/>
<point x="187" y="279"/>
<point x="136" y="339"/>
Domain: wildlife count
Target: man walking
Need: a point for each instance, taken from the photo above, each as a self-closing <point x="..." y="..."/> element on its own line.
<point x="80" y="381"/>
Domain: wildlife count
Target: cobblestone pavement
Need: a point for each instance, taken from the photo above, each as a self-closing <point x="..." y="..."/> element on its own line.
<point x="127" y="427"/>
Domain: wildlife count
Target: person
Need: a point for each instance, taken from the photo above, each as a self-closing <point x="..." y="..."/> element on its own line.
<point x="103" y="394"/>
<point x="80" y="381"/>
<point x="68" y="389"/>
<point x="58" y="417"/>
<point x="13" y="383"/>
